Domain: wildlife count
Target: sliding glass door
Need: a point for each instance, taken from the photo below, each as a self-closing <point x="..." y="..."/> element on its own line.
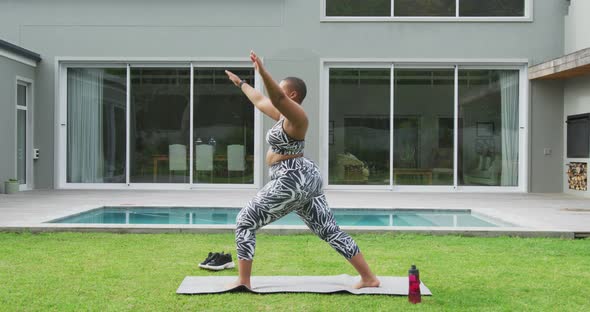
<point x="96" y="109"/>
<point x="157" y="124"/>
<point x="223" y="127"/>
<point x="359" y="142"/>
<point x="423" y="126"/>
<point x="452" y="126"/>
<point x="489" y="131"/>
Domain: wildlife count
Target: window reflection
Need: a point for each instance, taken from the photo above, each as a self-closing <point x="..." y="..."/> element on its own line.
<point x="491" y="8"/>
<point x="424" y="7"/>
<point x="423" y="126"/>
<point x="223" y="128"/>
<point x="358" y="7"/>
<point x="160" y="110"/>
<point x="96" y="101"/>
<point x="488" y="127"/>
<point x="359" y="126"/>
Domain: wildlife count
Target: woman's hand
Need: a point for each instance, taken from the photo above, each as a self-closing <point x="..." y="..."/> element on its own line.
<point x="256" y="61"/>
<point x="233" y="77"/>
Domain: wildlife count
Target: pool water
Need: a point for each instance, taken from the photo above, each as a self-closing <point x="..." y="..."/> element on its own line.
<point x="344" y="217"/>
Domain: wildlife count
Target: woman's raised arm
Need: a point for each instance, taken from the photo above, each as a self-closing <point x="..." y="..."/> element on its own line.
<point x="258" y="99"/>
<point x="286" y="106"/>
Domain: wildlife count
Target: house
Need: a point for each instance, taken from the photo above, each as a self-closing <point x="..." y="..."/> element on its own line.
<point x="447" y="95"/>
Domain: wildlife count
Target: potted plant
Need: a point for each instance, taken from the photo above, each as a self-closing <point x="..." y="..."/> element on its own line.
<point x="11" y="186"/>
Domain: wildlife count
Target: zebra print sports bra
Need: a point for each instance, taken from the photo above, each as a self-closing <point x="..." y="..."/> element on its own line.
<point x="281" y="143"/>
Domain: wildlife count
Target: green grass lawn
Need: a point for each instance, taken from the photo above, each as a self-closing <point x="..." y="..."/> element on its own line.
<point x="102" y="271"/>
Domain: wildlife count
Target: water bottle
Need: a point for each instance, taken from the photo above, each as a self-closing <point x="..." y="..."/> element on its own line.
<point x="414" y="291"/>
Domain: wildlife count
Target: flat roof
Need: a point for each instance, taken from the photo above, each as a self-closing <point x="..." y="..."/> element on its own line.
<point x="571" y="65"/>
<point x="19" y="51"/>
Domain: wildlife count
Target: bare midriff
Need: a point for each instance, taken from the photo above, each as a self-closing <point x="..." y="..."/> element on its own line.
<point x="272" y="157"/>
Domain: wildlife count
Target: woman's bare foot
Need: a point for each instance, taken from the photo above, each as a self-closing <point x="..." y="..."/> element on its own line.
<point x="368" y="283"/>
<point x="236" y="284"/>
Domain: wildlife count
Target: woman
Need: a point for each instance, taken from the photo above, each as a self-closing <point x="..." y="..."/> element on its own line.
<point x="295" y="185"/>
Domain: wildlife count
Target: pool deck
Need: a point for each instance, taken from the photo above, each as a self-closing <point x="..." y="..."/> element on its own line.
<point x="532" y="214"/>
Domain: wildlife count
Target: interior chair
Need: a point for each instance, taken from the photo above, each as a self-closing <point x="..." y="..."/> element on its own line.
<point x="177" y="160"/>
<point x="204" y="159"/>
<point x="236" y="159"/>
<point x="486" y="171"/>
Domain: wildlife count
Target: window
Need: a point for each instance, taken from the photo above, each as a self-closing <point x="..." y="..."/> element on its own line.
<point x="96" y="109"/>
<point x="462" y="9"/>
<point x="359" y="112"/>
<point x="133" y="124"/>
<point x="224" y="120"/>
<point x="358" y="7"/>
<point x="491" y="8"/>
<point x="160" y="107"/>
<point x="488" y="131"/>
<point x="423" y="137"/>
<point x="424" y="8"/>
<point x="22" y="133"/>
<point x="446" y="131"/>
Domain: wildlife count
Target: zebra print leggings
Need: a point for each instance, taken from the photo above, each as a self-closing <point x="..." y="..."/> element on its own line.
<point x="295" y="185"/>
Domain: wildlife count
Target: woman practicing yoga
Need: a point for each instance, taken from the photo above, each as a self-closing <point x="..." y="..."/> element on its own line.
<point x="295" y="185"/>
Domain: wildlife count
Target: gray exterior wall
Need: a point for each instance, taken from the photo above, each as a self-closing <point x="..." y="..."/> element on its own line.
<point x="9" y="70"/>
<point x="546" y="132"/>
<point x="288" y="34"/>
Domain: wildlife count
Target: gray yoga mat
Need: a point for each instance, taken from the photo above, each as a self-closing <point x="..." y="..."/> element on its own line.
<point x="390" y="285"/>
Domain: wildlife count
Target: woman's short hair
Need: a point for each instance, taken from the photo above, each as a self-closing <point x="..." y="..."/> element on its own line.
<point x="297" y="85"/>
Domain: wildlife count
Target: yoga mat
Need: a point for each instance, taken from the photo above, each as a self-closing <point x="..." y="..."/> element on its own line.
<point x="390" y="285"/>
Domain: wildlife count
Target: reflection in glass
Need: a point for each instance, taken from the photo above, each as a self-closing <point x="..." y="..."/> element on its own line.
<point x="359" y="133"/>
<point x="21" y="145"/>
<point x="491" y="8"/>
<point x="96" y="100"/>
<point x="223" y="127"/>
<point x="21" y="95"/>
<point x="488" y="127"/>
<point x="423" y="127"/>
<point x="424" y="8"/>
<point x="358" y="7"/>
<point x="160" y="122"/>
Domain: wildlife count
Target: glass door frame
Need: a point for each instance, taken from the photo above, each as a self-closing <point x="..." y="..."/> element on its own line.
<point x="28" y="108"/>
<point x="325" y="117"/>
<point x="155" y="65"/>
<point x="523" y="128"/>
<point x="63" y="64"/>
<point x="433" y="188"/>
<point x="524" y="106"/>
<point x="258" y="145"/>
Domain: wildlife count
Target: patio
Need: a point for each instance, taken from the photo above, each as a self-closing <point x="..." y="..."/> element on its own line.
<point x="544" y="215"/>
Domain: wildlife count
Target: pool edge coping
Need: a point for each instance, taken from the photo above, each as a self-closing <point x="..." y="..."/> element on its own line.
<point x="282" y="230"/>
<point x="495" y="220"/>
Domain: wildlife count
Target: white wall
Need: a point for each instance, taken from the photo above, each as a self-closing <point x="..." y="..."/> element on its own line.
<point x="577" y="24"/>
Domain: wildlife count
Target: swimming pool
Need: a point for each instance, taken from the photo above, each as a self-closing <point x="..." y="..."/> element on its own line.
<point x="344" y="217"/>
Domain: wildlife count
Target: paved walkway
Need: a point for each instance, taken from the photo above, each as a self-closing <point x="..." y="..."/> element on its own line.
<point x="536" y="214"/>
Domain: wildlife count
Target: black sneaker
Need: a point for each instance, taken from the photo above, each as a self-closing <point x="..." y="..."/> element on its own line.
<point x="210" y="257"/>
<point x="221" y="262"/>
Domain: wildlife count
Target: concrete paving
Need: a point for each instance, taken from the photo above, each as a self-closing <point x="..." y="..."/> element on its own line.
<point x="531" y="214"/>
